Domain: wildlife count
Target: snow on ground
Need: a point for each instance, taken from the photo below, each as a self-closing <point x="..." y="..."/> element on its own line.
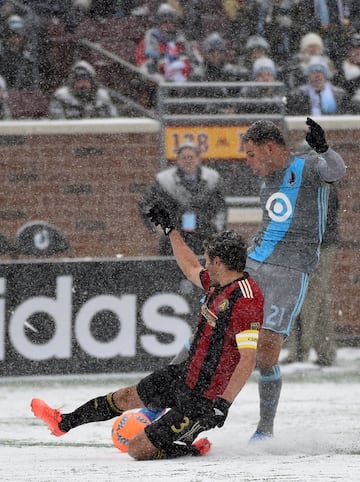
<point x="317" y="432"/>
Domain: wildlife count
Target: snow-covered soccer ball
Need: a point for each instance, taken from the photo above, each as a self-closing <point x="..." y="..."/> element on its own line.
<point x="126" y="426"/>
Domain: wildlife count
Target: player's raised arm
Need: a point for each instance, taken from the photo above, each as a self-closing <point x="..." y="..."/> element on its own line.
<point x="332" y="166"/>
<point x="185" y="257"/>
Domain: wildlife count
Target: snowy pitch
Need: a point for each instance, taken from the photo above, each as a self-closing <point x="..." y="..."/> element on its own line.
<point x="317" y="433"/>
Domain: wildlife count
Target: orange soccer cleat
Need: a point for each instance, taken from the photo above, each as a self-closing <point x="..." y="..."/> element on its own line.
<point x="50" y="416"/>
<point x="201" y="446"/>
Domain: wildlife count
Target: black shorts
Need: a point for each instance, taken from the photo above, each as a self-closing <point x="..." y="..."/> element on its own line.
<point x="188" y="412"/>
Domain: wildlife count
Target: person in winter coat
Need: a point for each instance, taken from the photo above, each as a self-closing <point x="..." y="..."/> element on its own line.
<point x="193" y="194"/>
<point x="318" y="96"/>
<point x="216" y="65"/>
<point x="164" y="52"/>
<point x="5" y="112"/>
<point x="81" y="97"/>
<point x="293" y="73"/>
<point x="18" y="63"/>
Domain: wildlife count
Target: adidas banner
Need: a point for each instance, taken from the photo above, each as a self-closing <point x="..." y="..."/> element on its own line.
<point x="129" y="315"/>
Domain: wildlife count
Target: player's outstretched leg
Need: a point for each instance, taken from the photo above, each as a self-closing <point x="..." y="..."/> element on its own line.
<point x="95" y="410"/>
<point x="51" y="416"/>
<point x="270" y="383"/>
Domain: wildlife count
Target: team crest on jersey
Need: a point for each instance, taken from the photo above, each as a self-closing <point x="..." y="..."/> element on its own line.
<point x="209" y="316"/>
<point x="224" y="305"/>
<point x="292" y="178"/>
<point x="255" y="326"/>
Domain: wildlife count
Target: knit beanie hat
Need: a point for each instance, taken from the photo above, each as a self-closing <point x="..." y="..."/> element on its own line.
<point x="14" y="24"/>
<point x="318" y="64"/>
<point x="166" y="13"/>
<point x="214" y="41"/>
<point x="263" y="64"/>
<point x="311" y="39"/>
<point x="256" y="41"/>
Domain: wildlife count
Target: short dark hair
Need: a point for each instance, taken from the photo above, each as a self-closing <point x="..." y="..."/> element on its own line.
<point x="230" y="247"/>
<point x="263" y="131"/>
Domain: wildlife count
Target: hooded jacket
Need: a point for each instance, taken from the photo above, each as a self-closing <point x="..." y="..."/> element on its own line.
<point x="197" y="207"/>
<point x="67" y="103"/>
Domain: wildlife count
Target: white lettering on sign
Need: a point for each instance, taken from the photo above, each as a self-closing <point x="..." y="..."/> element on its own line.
<point x="60" y="308"/>
<point x="124" y="343"/>
<point x="175" y="326"/>
<point x="60" y="311"/>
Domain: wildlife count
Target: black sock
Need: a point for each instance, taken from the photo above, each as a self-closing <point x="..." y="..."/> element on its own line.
<point x="95" y="410"/>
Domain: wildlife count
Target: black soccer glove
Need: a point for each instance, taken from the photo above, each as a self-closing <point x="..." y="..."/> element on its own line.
<point x="315" y="136"/>
<point x="160" y="216"/>
<point x="220" y="411"/>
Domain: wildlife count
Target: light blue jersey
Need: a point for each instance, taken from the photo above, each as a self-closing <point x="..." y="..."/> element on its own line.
<point x="294" y="203"/>
<point x="286" y="248"/>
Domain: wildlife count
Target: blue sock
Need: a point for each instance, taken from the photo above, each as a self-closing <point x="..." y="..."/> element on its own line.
<point x="152" y="414"/>
<point x="270" y="382"/>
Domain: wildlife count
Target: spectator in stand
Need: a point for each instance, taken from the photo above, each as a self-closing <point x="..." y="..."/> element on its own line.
<point x="165" y="53"/>
<point x="29" y="17"/>
<point x="5" y="112"/>
<point x="350" y="67"/>
<point x="216" y="66"/>
<point x="18" y="65"/>
<point x="318" y="96"/>
<point x="255" y="47"/>
<point x="275" y="24"/>
<point x="82" y="97"/>
<point x="264" y="71"/>
<point x="293" y="73"/>
<point x="242" y="18"/>
<point x="189" y="14"/>
<point x="335" y="27"/>
<point x="334" y="20"/>
<point x="353" y="15"/>
<point x="351" y="74"/>
<point x="315" y="326"/>
<point x="193" y="195"/>
<point x="304" y="17"/>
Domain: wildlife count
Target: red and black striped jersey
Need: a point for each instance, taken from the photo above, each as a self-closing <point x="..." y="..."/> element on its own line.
<point x="226" y="312"/>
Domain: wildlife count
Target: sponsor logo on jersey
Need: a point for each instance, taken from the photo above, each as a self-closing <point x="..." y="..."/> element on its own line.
<point x="224" y="305"/>
<point x="209" y="316"/>
<point x="279" y="207"/>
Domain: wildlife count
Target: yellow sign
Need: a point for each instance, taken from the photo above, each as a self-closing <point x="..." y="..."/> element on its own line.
<point x="215" y="142"/>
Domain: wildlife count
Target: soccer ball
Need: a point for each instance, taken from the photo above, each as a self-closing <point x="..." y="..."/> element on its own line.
<point x="126" y="426"/>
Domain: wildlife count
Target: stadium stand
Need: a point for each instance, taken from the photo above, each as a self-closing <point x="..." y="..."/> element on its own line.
<point x="27" y="104"/>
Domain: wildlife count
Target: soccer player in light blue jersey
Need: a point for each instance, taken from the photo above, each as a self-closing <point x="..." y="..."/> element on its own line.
<point x="285" y="251"/>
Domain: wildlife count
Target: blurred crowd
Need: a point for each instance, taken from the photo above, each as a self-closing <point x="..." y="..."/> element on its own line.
<point x="312" y="46"/>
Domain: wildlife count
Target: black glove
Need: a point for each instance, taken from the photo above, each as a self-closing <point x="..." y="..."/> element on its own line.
<point x="160" y="216"/>
<point x="219" y="412"/>
<point x="315" y="137"/>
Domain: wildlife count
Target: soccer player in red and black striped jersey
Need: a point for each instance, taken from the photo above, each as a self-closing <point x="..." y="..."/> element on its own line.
<point x="199" y="391"/>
